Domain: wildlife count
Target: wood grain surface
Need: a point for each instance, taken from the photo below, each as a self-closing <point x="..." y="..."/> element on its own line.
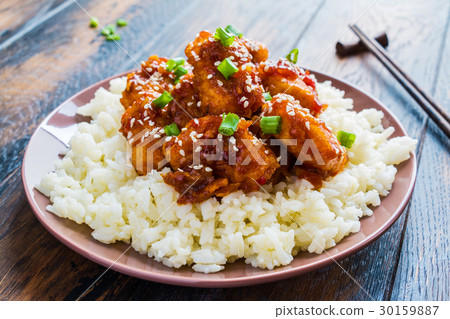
<point x="48" y="53"/>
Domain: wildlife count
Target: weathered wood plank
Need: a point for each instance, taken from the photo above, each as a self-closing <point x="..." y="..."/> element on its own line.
<point x="19" y="17"/>
<point x="423" y="271"/>
<point x="374" y="267"/>
<point x="81" y="58"/>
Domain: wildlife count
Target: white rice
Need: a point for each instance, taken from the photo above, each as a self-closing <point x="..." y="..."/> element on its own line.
<point x="96" y="184"/>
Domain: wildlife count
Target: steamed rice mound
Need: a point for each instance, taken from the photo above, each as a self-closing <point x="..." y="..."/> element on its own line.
<point x="96" y="184"/>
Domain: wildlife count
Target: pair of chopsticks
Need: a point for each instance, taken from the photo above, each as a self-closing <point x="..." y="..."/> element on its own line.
<point x="429" y="105"/>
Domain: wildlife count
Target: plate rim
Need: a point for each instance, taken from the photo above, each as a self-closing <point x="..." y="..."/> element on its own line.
<point x="204" y="282"/>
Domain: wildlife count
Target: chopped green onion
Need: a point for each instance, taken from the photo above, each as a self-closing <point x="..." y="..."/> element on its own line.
<point x="267" y="96"/>
<point x="109" y="29"/>
<point x="179" y="72"/>
<point x="113" y="37"/>
<point x="233" y="30"/>
<point x="163" y="100"/>
<point x="293" y="52"/>
<point x="226" y="38"/>
<point x="173" y="63"/>
<point x="271" y="124"/>
<point x="171" y="130"/>
<point x="94" y="22"/>
<point x="227" y="68"/>
<point x="346" y="139"/>
<point x="121" y="22"/>
<point x="229" y="124"/>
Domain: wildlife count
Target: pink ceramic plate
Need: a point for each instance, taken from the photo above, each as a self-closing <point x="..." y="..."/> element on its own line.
<point x="43" y="150"/>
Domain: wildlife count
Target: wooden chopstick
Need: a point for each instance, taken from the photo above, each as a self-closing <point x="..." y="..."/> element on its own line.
<point x="432" y="108"/>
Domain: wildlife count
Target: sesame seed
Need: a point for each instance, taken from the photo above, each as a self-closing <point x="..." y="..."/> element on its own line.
<point x="129" y="135"/>
<point x="266" y="151"/>
<point x="216" y="63"/>
<point x="199" y="103"/>
<point x="278" y="158"/>
<point x="232" y="140"/>
<point x="190" y="103"/>
<point x="209" y="76"/>
<point x="246" y="103"/>
<point x="180" y="143"/>
<point x="132" y="122"/>
<point x="182" y="153"/>
<point x="156" y="136"/>
<point x="208" y="169"/>
<point x="168" y="138"/>
<point x="198" y="149"/>
<point x="219" y="82"/>
<point x="235" y="148"/>
<point x="140" y="122"/>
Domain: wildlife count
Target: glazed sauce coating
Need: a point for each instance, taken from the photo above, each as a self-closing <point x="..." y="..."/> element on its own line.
<point x="206" y="163"/>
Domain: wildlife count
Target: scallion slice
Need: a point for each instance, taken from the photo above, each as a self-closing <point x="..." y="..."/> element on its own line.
<point x="229" y="124"/>
<point x="179" y="72"/>
<point x="173" y="63"/>
<point x="346" y="139"/>
<point x="233" y="30"/>
<point x="292" y="56"/>
<point x="267" y="96"/>
<point x="113" y="37"/>
<point x="109" y="29"/>
<point x="227" y="68"/>
<point x="271" y="124"/>
<point x="162" y="100"/>
<point x="171" y="130"/>
<point x="224" y="37"/>
<point x="94" y="22"/>
<point x="121" y="22"/>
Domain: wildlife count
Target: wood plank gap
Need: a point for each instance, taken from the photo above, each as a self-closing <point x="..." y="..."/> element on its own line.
<point x="30" y="27"/>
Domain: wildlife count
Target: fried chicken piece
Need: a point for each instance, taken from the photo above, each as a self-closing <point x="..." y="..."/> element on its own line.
<point x="194" y="185"/>
<point x="152" y="76"/>
<point x="143" y="126"/>
<point x="283" y="76"/>
<point x="257" y="49"/>
<point x="241" y="93"/>
<point x="184" y="107"/>
<point x="242" y="159"/>
<point x="316" y="147"/>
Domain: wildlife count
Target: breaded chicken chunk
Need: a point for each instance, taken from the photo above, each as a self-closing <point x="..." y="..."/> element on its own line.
<point x="283" y="76"/>
<point x="151" y="76"/>
<point x="184" y="106"/>
<point x="241" y="93"/>
<point x="143" y="126"/>
<point x="242" y="159"/>
<point x="258" y="50"/>
<point x="315" y="145"/>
